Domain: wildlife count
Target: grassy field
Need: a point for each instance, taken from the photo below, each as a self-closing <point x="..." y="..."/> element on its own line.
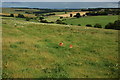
<point x="8" y="11"/>
<point x="31" y="50"/>
<point x="52" y="18"/>
<point x="103" y="20"/>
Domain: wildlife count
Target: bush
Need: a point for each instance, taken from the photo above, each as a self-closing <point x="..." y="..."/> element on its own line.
<point x="27" y="19"/>
<point x="51" y="22"/>
<point x="64" y="23"/>
<point x="97" y="26"/>
<point x="44" y="21"/>
<point x="84" y="15"/>
<point x="41" y="18"/>
<point x="11" y="15"/>
<point x="79" y="24"/>
<point x="21" y="16"/>
<point x="36" y="14"/>
<point x="13" y="46"/>
<point x="65" y="12"/>
<point x="89" y="25"/>
<point x="61" y="17"/>
<point x="109" y="26"/>
<point x="115" y="25"/>
<point x="60" y="22"/>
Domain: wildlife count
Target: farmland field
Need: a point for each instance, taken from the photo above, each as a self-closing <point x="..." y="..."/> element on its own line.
<point x="17" y="10"/>
<point x="31" y="50"/>
<point x="68" y="14"/>
<point x="52" y="18"/>
<point x="103" y="20"/>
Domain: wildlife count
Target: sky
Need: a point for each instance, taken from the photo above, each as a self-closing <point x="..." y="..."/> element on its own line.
<point x="59" y="0"/>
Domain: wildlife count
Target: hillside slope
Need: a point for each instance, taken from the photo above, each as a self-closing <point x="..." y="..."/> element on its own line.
<point x="102" y="20"/>
<point x="31" y="50"/>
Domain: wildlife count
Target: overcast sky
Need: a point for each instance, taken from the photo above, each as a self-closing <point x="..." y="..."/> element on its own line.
<point x="59" y="0"/>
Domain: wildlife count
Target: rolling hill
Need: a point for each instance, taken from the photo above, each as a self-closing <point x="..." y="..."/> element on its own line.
<point x="31" y="50"/>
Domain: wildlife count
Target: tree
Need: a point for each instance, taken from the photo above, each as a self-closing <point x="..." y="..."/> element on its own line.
<point x="77" y="15"/>
<point x="11" y="15"/>
<point x="97" y="26"/>
<point x="71" y="15"/>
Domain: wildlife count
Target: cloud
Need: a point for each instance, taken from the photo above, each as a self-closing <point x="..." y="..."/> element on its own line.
<point x="60" y="1"/>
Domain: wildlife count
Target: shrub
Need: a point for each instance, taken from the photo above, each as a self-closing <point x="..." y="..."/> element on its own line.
<point x="51" y="22"/>
<point x="65" y="23"/>
<point x="27" y="19"/>
<point x="44" y="21"/>
<point x="27" y="12"/>
<point x="11" y="15"/>
<point x="21" y="16"/>
<point x="41" y="18"/>
<point x="36" y="14"/>
<point x="89" y="25"/>
<point x="13" y="46"/>
<point x="97" y="26"/>
<point x="115" y="25"/>
<point x="109" y="26"/>
<point x="84" y="15"/>
<point x="79" y="24"/>
<point x="65" y="12"/>
<point x="61" y="17"/>
<point x="59" y="22"/>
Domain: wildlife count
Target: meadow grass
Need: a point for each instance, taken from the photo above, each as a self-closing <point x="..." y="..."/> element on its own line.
<point x="31" y="50"/>
<point x="103" y="20"/>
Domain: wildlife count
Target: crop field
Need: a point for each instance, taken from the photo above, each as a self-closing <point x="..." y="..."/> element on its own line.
<point x="68" y="14"/>
<point x="62" y="14"/>
<point x="17" y="10"/>
<point x="26" y="15"/>
<point x="31" y="49"/>
<point x="103" y="20"/>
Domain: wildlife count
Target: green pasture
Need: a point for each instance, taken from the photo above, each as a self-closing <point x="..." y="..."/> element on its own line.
<point x="31" y="50"/>
<point x="103" y="20"/>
